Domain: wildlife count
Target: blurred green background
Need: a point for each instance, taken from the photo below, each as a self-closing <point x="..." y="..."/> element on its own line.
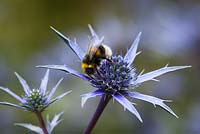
<point x="171" y="34"/>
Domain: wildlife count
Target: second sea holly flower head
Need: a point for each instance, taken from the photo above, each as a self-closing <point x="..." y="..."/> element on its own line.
<point x="34" y="100"/>
<point x="116" y="78"/>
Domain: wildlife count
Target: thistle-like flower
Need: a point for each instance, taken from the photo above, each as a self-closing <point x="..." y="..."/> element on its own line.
<point x="50" y="125"/>
<point x="116" y="78"/>
<point x="34" y="100"/>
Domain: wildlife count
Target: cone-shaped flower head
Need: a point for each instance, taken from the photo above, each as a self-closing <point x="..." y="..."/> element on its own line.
<point x="35" y="100"/>
<point x="116" y="77"/>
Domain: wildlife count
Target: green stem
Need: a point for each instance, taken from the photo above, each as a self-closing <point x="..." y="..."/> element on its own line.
<point x="101" y="106"/>
<point x="41" y="121"/>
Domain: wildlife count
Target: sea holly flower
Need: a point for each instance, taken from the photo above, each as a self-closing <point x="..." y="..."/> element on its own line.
<point x="115" y="78"/>
<point x="34" y="100"/>
<point x="50" y="125"/>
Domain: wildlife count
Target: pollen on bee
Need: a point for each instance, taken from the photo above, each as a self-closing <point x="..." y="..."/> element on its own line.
<point x="90" y="66"/>
<point x="85" y="65"/>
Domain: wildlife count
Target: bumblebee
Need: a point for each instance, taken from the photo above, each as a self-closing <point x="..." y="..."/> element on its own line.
<point x="93" y="58"/>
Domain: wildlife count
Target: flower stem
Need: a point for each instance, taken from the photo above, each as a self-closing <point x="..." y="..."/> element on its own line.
<point x="41" y="121"/>
<point x="101" y="106"/>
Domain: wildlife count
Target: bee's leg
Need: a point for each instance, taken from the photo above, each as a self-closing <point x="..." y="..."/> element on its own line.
<point x="98" y="73"/>
<point x="91" y="76"/>
<point x="109" y="60"/>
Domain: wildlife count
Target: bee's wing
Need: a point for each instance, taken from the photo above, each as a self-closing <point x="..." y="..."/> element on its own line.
<point x="95" y="42"/>
<point x="93" y="47"/>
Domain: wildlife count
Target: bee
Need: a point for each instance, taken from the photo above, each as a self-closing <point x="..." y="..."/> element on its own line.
<point x="92" y="59"/>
